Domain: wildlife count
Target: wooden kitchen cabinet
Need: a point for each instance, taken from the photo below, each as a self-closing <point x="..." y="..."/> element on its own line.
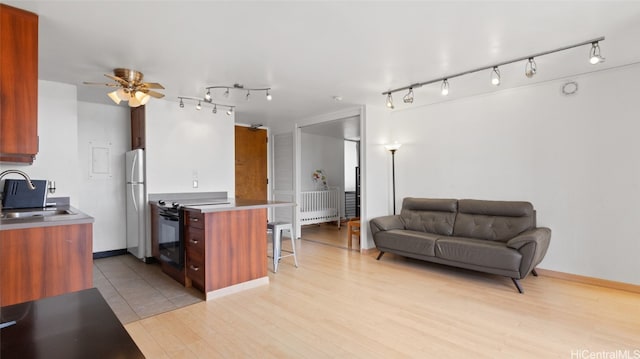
<point x="42" y="262"/>
<point x="225" y="248"/>
<point x="18" y="85"/>
<point x="138" y="119"/>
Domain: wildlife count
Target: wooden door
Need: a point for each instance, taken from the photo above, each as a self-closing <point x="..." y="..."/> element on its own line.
<point x="251" y="163"/>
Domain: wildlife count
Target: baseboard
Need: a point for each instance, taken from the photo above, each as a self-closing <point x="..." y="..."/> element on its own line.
<point x="369" y="251"/>
<point x="589" y="280"/>
<point x="112" y="253"/>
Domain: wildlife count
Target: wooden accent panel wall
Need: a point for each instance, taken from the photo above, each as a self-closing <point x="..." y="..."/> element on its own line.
<point x="138" y="123"/>
<point x="236" y="247"/>
<point x="18" y="84"/>
<point x="44" y="262"/>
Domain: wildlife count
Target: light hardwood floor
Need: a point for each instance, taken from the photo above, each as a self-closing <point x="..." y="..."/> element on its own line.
<point x="343" y="304"/>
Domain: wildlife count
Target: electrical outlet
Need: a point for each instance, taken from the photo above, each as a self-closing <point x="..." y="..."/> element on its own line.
<point x="195" y="183"/>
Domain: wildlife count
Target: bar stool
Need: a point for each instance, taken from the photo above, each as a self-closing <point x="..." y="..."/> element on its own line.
<point x="276" y="235"/>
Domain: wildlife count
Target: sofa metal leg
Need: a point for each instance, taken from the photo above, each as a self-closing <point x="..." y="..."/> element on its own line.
<point x="517" y="283"/>
<point x="533" y="271"/>
<point x="380" y="255"/>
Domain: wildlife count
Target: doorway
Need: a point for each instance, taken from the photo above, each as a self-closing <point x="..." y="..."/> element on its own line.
<point x="251" y="163"/>
<point x="332" y="149"/>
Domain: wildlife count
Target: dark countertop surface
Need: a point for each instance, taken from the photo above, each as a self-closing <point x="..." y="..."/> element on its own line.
<point x="76" y="217"/>
<point x="73" y="325"/>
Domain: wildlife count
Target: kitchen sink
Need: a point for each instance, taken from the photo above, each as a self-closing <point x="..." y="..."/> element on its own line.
<point x="36" y="213"/>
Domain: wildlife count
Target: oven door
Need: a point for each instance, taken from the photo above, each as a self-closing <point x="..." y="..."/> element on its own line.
<point x="170" y="239"/>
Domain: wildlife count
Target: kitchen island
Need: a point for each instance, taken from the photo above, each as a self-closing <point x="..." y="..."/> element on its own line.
<point x="226" y="245"/>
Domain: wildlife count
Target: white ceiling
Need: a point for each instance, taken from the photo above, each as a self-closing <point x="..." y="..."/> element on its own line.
<point x="309" y="52"/>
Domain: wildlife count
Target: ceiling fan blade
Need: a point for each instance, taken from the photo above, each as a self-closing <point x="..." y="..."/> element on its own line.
<point x="117" y="79"/>
<point x="101" y="84"/>
<point x="152" y="85"/>
<point x="154" y="94"/>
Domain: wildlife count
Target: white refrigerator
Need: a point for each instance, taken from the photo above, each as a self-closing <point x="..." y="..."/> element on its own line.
<point x="136" y="205"/>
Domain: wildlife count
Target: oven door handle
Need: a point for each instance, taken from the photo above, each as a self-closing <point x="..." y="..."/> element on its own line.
<point x="169" y="218"/>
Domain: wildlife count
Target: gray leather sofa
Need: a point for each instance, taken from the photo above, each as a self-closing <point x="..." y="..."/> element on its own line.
<point x="497" y="237"/>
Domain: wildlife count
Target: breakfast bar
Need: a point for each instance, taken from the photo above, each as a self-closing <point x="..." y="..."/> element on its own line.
<point x="225" y="245"/>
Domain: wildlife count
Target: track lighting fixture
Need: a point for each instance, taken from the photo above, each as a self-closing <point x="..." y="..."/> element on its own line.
<point x="444" y="89"/>
<point x="408" y="98"/>
<point x="242" y="88"/>
<point x="594" y="54"/>
<point x="530" y="70"/>
<point x="390" y="101"/>
<point x="199" y="104"/>
<point x="207" y="96"/>
<point x="495" y="76"/>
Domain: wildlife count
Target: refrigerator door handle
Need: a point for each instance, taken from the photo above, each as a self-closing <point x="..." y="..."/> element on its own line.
<point x="133" y="198"/>
<point x="133" y="166"/>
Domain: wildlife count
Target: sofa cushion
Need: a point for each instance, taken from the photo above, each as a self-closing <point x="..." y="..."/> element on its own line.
<point x="407" y="241"/>
<point x="479" y="252"/>
<point x="429" y="215"/>
<point x="493" y="220"/>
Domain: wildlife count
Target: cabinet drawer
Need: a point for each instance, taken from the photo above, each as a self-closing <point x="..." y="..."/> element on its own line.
<point x="194" y="219"/>
<point x="194" y="240"/>
<point x="195" y="268"/>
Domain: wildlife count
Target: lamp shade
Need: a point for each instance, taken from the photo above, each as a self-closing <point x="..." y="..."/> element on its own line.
<point x="113" y="95"/>
<point x="393" y="146"/>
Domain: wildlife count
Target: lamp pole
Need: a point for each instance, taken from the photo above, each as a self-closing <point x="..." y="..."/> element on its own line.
<point x="393" y="148"/>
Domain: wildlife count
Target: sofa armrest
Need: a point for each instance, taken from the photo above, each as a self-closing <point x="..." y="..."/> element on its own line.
<point x="533" y="246"/>
<point x="385" y="223"/>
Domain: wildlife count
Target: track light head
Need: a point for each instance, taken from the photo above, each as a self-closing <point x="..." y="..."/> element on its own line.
<point x="444" y="88"/>
<point x="530" y="68"/>
<point x="207" y="96"/>
<point x="248" y="94"/>
<point x="495" y="76"/>
<point x="389" y="102"/>
<point x="198" y="106"/>
<point x="181" y="103"/>
<point x="215" y="109"/>
<point x="594" y="54"/>
<point x="226" y="93"/>
<point x="230" y="111"/>
<point x="408" y="98"/>
<point x="269" y="96"/>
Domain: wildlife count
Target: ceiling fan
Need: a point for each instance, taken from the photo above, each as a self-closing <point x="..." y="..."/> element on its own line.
<point x="130" y="87"/>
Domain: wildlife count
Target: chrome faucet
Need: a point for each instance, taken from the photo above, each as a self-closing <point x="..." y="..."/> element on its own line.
<point x="29" y="183"/>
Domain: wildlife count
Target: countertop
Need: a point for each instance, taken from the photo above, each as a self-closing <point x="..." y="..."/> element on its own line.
<point x="77" y="217"/>
<point x="234" y="205"/>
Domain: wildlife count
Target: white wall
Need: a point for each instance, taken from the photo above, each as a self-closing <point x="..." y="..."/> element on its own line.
<point x="325" y="153"/>
<point x="576" y="158"/>
<point x="183" y="143"/>
<point x="104" y="196"/>
<point x="57" y="158"/>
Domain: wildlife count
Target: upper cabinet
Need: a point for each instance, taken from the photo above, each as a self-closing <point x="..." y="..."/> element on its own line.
<point x="18" y="85"/>
<point x="137" y="127"/>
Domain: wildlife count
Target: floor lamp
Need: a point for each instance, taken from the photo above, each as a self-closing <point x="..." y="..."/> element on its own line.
<point x="393" y="148"/>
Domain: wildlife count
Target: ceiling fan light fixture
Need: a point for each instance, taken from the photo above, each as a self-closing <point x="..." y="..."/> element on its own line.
<point x="123" y="94"/>
<point x="142" y="97"/>
<point x="113" y="95"/>
<point x="133" y="102"/>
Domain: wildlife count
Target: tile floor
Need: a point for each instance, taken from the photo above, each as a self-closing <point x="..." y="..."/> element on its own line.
<point x="136" y="290"/>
